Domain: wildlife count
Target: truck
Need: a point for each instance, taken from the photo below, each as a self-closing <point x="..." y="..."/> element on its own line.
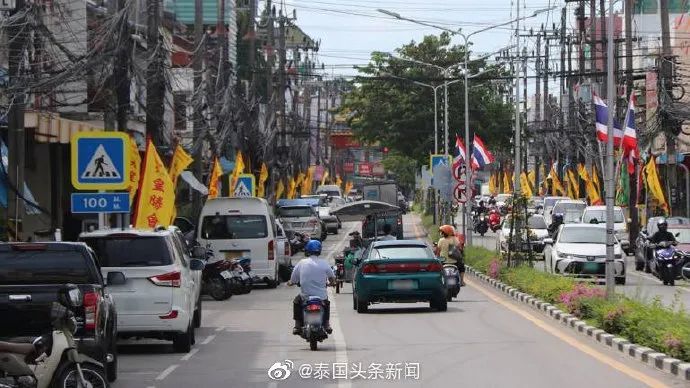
<point x="381" y="191"/>
<point x="31" y="275"/>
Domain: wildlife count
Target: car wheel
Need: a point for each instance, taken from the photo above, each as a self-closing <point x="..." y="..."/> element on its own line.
<point x="354" y="301"/>
<point x="620" y="281"/>
<point x="111" y="367"/>
<point x="68" y="376"/>
<point x="639" y="266"/>
<point x="182" y="342"/>
<point x="362" y="306"/>
<point x="440" y="304"/>
<point x="197" y="314"/>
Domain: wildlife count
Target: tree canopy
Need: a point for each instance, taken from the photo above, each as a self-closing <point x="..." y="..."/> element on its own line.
<point x="387" y="106"/>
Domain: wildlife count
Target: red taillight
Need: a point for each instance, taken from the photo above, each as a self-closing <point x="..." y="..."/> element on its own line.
<point x="369" y="268"/>
<point x="434" y="267"/>
<point x="91" y="300"/>
<point x="313" y="307"/>
<point x="402" y="268"/>
<point x="271" y="250"/>
<point x="170" y="315"/>
<point x="170" y="279"/>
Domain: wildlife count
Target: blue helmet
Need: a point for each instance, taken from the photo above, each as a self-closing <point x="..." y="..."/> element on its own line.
<point x="313" y="247"/>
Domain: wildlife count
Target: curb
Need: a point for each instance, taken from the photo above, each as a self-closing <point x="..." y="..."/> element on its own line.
<point x="643" y="354"/>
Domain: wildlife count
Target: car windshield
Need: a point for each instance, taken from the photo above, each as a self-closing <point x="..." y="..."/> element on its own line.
<point x="43" y="267"/>
<point x="401" y="252"/>
<point x="582" y="236"/>
<point x="295" y="211"/>
<point x="330" y="193"/>
<point x="536" y="223"/>
<point x="368" y="227"/>
<point x="683" y="236"/>
<point x="234" y="227"/>
<point x="130" y="251"/>
<point x="549" y="202"/>
<point x="600" y="216"/>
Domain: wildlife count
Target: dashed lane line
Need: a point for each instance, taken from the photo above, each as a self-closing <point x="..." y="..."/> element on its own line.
<point x="189" y="355"/>
<point x="209" y="339"/>
<point x="167" y="372"/>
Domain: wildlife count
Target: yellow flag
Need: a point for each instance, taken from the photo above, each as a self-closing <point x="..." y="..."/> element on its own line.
<point x="324" y="177"/>
<point x="507" y="186"/>
<point x="239" y="169"/>
<point x="339" y="181"/>
<point x="653" y="184"/>
<point x="348" y="187"/>
<point x="292" y="188"/>
<point x="573" y="184"/>
<point x="524" y="185"/>
<point x="532" y="177"/>
<point x="157" y="196"/>
<point x="556" y="185"/>
<point x="280" y="189"/>
<point x="263" y="176"/>
<point x="180" y="161"/>
<point x="595" y="178"/>
<point x="134" y="169"/>
<point x="308" y="181"/>
<point x="492" y="184"/>
<point x="216" y="172"/>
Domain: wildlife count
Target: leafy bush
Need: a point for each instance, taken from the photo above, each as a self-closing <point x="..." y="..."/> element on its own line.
<point x="577" y="301"/>
<point x="540" y="284"/>
<point x="479" y="258"/>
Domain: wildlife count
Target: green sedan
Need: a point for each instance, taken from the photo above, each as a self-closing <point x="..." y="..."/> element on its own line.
<point x="398" y="271"/>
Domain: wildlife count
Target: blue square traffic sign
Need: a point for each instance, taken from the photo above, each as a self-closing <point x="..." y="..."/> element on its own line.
<point x="100" y="160"/>
<point x="100" y="203"/>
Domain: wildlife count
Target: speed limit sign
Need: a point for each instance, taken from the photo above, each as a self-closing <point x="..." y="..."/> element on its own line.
<point x="459" y="193"/>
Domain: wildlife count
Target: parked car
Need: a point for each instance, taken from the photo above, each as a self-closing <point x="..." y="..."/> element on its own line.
<point x="161" y="295"/>
<point x="330" y="190"/>
<point x="642" y="250"/>
<point x="549" y="203"/>
<point x="31" y="275"/>
<point x="242" y="227"/>
<point x="597" y="214"/>
<point x="580" y="251"/>
<point x="283" y="253"/>
<point x="301" y="218"/>
<point x="537" y="233"/>
<point x="535" y="205"/>
<point x="320" y="202"/>
<point x="398" y="271"/>
<point x="571" y="209"/>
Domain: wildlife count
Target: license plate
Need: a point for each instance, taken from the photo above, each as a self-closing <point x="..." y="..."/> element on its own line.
<point x="313" y="318"/>
<point x="451" y="281"/>
<point x="402" y="285"/>
<point x="590" y="267"/>
<point x="226" y="275"/>
<point x="229" y="255"/>
<point x="244" y="276"/>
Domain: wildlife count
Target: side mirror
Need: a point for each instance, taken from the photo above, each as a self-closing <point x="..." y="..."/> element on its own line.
<point x="196" y="265"/>
<point x="115" y="279"/>
<point x="199" y="252"/>
<point x="548" y="241"/>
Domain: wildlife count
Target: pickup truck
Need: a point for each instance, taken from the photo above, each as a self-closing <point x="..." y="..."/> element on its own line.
<point x="30" y="276"/>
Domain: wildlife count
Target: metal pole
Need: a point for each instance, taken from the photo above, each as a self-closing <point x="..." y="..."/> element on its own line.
<point x="445" y="112"/>
<point x="610" y="187"/>
<point x="435" y="121"/>
<point x="516" y="173"/>
<point x="468" y="164"/>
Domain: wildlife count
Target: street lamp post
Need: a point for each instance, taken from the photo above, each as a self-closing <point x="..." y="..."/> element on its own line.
<point x="468" y="163"/>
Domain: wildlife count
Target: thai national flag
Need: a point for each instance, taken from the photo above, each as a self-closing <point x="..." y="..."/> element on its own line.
<point x="462" y="154"/>
<point x="481" y="153"/>
<point x="601" y="112"/>
<point x="630" y="150"/>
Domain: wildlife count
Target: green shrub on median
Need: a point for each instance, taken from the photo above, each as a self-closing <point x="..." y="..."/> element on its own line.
<point x="654" y="325"/>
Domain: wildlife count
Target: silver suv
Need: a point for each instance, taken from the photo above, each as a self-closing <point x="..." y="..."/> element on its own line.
<point x="303" y="219"/>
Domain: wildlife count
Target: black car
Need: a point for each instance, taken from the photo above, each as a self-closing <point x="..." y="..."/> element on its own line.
<point x="642" y="251"/>
<point x="31" y="275"/>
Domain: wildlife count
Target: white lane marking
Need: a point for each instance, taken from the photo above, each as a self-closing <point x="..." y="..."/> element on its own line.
<point x="220" y="328"/>
<point x="282" y="353"/>
<point x="151" y="386"/>
<point x="339" y="338"/>
<point x="209" y="339"/>
<point x="166" y="372"/>
<point x="189" y="355"/>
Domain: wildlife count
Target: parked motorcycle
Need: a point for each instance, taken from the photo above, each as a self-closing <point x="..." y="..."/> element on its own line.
<point x="241" y="280"/>
<point x="313" y="329"/>
<point x="298" y="241"/>
<point x="668" y="263"/>
<point x="494" y="220"/>
<point x="52" y="360"/>
<point x="216" y="277"/>
<point x="451" y="277"/>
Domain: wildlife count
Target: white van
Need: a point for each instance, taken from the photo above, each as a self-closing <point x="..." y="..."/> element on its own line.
<point x="242" y="227"/>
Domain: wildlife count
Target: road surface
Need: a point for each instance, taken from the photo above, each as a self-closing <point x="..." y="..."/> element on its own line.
<point x="483" y="340"/>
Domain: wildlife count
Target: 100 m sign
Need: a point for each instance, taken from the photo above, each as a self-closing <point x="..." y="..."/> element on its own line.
<point x="100" y="203"/>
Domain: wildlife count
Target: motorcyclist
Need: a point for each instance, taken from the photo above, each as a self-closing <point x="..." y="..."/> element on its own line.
<point x="556" y="221"/>
<point x="481" y="209"/>
<point x="492" y="201"/>
<point x="313" y="275"/>
<point x="447" y="240"/>
<point x="662" y="234"/>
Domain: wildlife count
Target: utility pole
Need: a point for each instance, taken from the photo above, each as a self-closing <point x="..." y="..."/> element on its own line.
<point x="318" y="125"/>
<point x="155" y="86"/>
<point x="122" y="71"/>
<point x="563" y="51"/>
<point x="198" y="114"/>
<point x="307" y="115"/>
<point x="283" y="156"/>
<point x="593" y="44"/>
<point x="251" y="59"/>
<point x="518" y="69"/>
<point x="666" y="90"/>
<point x="632" y="205"/>
<point x="581" y="39"/>
<point x="604" y="44"/>
<point x="15" y="121"/>
<point x="537" y="93"/>
<point x="269" y="60"/>
<point x="609" y="173"/>
<point x="547" y="106"/>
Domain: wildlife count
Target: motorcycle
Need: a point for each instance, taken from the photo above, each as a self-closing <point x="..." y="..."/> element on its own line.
<point x="668" y="263"/>
<point x="451" y="277"/>
<point x="481" y="225"/>
<point x="313" y="329"/>
<point x="241" y="280"/>
<point x="494" y="220"/>
<point x="52" y="360"/>
<point x="298" y="241"/>
<point x="216" y="277"/>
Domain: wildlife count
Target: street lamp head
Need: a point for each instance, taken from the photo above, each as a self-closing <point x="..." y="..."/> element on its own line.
<point x="390" y="13"/>
<point x="539" y="11"/>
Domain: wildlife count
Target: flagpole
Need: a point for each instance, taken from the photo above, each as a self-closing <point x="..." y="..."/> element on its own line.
<point x="610" y="187"/>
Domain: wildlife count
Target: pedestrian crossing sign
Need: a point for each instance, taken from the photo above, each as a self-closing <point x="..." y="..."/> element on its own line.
<point x="245" y="187"/>
<point x="100" y="160"/>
